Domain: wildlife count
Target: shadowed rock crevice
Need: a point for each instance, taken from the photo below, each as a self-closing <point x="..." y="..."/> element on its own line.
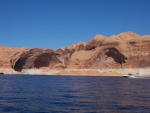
<point x="116" y="55"/>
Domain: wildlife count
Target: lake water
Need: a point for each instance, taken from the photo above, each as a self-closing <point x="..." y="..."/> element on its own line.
<point x="73" y="94"/>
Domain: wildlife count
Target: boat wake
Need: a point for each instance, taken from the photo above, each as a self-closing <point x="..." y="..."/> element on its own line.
<point x="139" y="77"/>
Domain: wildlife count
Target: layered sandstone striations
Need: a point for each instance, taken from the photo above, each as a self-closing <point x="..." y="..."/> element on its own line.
<point x="125" y="50"/>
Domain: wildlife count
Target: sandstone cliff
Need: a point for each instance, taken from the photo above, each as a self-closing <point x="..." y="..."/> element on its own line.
<point x="9" y="56"/>
<point x="125" y="50"/>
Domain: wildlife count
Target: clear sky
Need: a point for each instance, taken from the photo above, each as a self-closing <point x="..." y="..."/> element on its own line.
<point x="60" y="23"/>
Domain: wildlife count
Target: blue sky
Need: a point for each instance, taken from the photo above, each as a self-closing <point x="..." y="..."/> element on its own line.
<point x="60" y="23"/>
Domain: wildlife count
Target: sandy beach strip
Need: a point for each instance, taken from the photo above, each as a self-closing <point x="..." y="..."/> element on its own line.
<point x="81" y="72"/>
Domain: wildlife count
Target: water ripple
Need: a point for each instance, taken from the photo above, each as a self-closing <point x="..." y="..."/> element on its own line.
<point x="70" y="94"/>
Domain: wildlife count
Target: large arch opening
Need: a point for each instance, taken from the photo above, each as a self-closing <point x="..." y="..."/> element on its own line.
<point x="115" y="54"/>
<point x="108" y="58"/>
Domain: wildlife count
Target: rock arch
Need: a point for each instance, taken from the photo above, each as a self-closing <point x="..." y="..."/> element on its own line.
<point x="108" y="58"/>
<point x="115" y="54"/>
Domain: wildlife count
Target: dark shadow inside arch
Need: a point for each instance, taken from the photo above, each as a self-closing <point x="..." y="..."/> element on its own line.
<point x="19" y="65"/>
<point x="116" y="55"/>
<point x="43" y="60"/>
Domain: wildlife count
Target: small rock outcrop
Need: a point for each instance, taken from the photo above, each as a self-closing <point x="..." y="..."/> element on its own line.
<point x="96" y="41"/>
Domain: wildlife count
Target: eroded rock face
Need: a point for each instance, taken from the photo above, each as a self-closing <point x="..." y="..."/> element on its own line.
<point x="138" y="52"/>
<point x="109" y="58"/>
<point x="9" y="56"/>
<point x="125" y="50"/>
<point x="101" y="57"/>
<point x="37" y="58"/>
<point x="43" y="60"/>
<point x="95" y="42"/>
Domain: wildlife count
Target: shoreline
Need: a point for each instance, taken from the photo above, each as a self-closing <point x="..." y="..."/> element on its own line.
<point x="80" y="72"/>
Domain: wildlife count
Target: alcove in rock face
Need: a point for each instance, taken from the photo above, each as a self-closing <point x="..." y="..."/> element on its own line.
<point x="109" y="57"/>
<point x="36" y="59"/>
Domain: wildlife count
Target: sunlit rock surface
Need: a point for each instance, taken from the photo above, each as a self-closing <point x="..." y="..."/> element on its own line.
<point x="125" y="50"/>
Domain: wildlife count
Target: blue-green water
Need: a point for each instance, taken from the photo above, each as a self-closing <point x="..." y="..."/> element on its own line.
<point x="73" y="94"/>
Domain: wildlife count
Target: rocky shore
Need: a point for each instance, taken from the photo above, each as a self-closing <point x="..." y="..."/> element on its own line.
<point x="81" y="72"/>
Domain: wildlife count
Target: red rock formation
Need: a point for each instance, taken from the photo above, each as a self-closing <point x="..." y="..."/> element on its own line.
<point x="132" y="51"/>
<point x="9" y="56"/>
<point x="95" y="42"/>
<point x="37" y="58"/>
<point x="125" y="50"/>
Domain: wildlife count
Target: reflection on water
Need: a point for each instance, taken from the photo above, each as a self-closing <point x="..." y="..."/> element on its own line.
<point x="67" y="94"/>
